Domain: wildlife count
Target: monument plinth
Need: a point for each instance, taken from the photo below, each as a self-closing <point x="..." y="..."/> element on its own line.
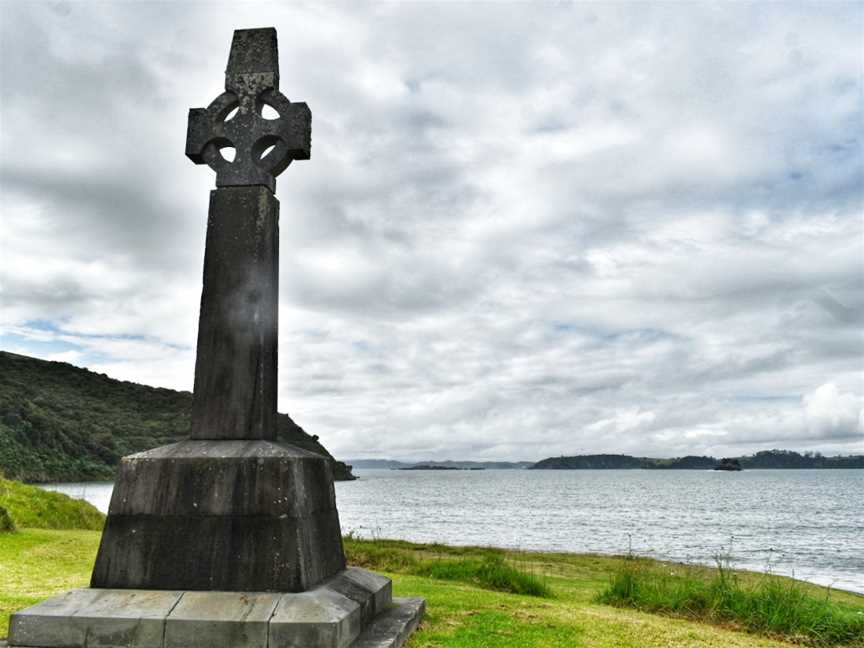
<point x="230" y="538"/>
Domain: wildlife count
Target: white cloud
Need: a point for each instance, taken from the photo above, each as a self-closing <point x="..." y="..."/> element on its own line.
<point x="525" y="230"/>
<point x="830" y="413"/>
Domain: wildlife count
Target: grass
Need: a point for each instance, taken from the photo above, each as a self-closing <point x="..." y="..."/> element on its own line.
<point x="575" y="615"/>
<point x="27" y="506"/>
<point x="487" y="568"/>
<point x="37" y="563"/>
<point x="491" y="572"/>
<point x="764" y="604"/>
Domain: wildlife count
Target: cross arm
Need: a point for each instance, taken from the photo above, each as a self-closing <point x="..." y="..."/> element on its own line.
<point x="263" y="147"/>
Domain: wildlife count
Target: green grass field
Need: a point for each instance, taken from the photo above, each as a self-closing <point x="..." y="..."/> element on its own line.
<point x="462" y="613"/>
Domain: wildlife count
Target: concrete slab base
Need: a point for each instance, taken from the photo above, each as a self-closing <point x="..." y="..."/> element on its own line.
<point x="392" y="628"/>
<point x="354" y="609"/>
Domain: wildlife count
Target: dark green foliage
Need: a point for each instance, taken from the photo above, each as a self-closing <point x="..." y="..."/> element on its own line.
<point x="764" y="459"/>
<point x="64" y="423"/>
<point x="7" y="524"/>
<point x="589" y="462"/>
<point x="790" y="459"/>
<point x="728" y="464"/>
<point x="680" y="463"/>
<point x="766" y="604"/>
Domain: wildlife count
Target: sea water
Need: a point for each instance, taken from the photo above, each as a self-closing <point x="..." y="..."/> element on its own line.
<point x="803" y="523"/>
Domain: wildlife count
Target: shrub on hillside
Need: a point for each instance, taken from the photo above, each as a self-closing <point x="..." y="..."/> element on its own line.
<point x="7" y="524"/>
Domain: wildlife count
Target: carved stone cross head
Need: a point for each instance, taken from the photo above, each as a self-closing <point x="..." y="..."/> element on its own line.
<point x="239" y="119"/>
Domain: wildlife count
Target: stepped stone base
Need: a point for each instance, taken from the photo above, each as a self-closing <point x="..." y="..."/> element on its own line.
<point x="354" y="609"/>
<point x="244" y="516"/>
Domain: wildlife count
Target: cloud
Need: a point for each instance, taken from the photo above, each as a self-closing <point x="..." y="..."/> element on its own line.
<point x="524" y="231"/>
<point x="830" y="413"/>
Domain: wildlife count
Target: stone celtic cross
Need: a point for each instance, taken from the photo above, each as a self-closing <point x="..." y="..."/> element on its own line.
<point x="231" y="537"/>
<point x="263" y="147"/>
<point x="236" y="363"/>
<point x="232" y="508"/>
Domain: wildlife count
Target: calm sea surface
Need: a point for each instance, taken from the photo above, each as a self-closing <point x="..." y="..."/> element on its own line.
<point x="806" y="523"/>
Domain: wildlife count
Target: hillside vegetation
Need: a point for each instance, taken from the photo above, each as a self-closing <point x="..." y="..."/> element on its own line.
<point x="766" y="459"/>
<point x="390" y="464"/>
<point x="63" y="423"/>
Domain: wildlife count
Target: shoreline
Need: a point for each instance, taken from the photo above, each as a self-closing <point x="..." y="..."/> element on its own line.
<point x="751" y="558"/>
<point x="36" y="564"/>
<point x="748" y="570"/>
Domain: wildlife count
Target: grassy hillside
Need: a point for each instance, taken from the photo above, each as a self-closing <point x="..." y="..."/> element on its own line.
<point x="461" y="613"/>
<point x="27" y="506"/>
<point x="63" y="423"/>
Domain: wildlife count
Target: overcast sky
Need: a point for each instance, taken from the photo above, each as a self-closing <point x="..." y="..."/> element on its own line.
<point x="524" y="231"/>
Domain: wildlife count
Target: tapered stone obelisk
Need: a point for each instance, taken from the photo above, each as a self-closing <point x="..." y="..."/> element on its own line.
<point x="230" y="539"/>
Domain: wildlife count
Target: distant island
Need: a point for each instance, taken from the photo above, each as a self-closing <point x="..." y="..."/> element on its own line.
<point x="391" y="464"/>
<point x="772" y="459"/>
<point x="59" y="422"/>
<point x="435" y="467"/>
<point x="729" y="465"/>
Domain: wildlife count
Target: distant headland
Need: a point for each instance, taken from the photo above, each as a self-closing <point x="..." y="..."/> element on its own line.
<point x="771" y="459"/>
<point x="434" y="467"/>
<point x="774" y="459"/>
<point x="392" y="464"/>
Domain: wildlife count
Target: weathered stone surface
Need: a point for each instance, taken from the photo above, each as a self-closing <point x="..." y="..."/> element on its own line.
<point x="221" y="478"/>
<point x="333" y="614"/>
<point x="128" y="618"/>
<point x="251" y="82"/>
<point x="252" y="516"/>
<point x="51" y="623"/>
<point x="370" y="591"/>
<point x="253" y="63"/>
<point x="319" y="618"/>
<point x="392" y="627"/>
<point x="94" y="618"/>
<point x="236" y="361"/>
<point x="221" y="620"/>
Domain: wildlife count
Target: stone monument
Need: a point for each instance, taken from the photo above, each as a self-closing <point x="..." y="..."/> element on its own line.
<point x="230" y="539"/>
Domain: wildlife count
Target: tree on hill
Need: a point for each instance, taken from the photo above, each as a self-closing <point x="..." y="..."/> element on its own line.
<point x="589" y="462"/>
<point x="63" y="423"/>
